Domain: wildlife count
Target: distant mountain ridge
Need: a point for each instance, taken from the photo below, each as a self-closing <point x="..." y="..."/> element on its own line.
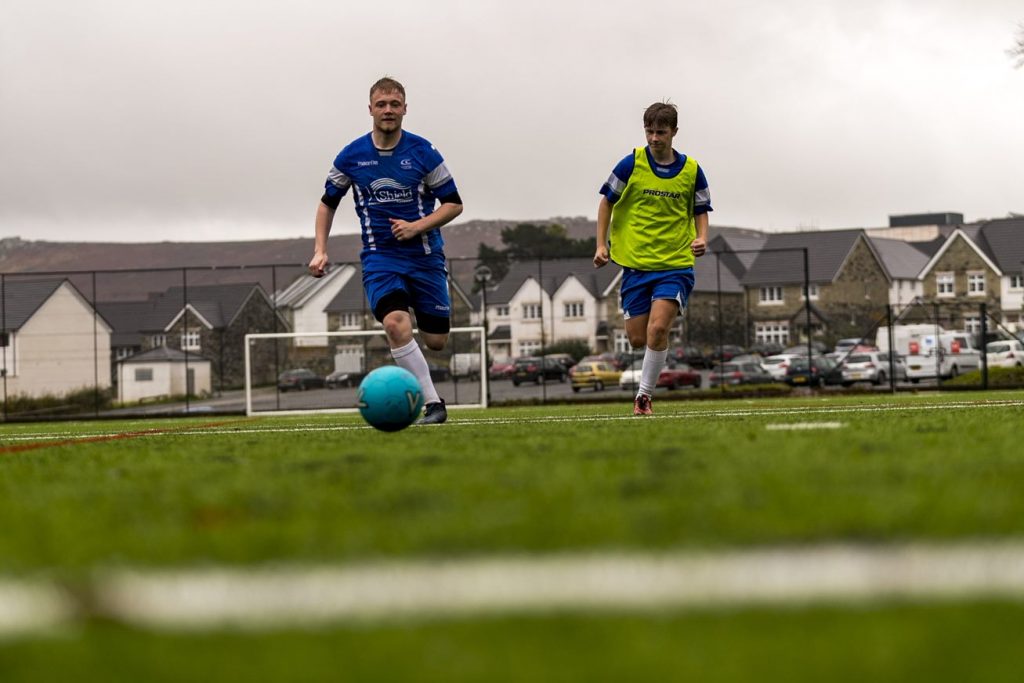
<point x="19" y="256"/>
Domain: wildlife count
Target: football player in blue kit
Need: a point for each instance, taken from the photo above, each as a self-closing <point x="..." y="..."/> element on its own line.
<point x="403" y="194"/>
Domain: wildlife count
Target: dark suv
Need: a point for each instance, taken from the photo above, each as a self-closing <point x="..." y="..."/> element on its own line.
<point x="528" y="369"/>
<point x="300" y="379"/>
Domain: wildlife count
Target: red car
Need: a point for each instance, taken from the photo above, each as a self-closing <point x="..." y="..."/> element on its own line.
<point x="679" y="375"/>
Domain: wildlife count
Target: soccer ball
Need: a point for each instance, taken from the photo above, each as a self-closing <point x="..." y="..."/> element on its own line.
<point x="390" y="398"/>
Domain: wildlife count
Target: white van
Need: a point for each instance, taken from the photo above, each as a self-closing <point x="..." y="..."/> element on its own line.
<point x="954" y="351"/>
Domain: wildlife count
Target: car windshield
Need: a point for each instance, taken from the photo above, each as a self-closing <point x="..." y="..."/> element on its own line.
<point x="772" y="361"/>
<point x="998" y="348"/>
<point x="859" y="359"/>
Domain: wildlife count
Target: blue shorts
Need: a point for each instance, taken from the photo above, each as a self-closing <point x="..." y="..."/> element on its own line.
<point x="423" y="279"/>
<point x="640" y="287"/>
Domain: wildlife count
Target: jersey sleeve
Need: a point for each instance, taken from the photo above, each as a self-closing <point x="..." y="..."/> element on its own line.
<point x="337" y="182"/>
<point x="702" y="195"/>
<point x="616" y="183"/>
<point x="439" y="179"/>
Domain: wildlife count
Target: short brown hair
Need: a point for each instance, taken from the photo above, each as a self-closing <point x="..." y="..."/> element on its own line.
<point x="387" y="84"/>
<point x="661" y="114"/>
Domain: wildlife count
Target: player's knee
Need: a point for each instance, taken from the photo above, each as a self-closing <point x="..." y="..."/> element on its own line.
<point x="637" y="340"/>
<point x="397" y="327"/>
<point x="435" y="342"/>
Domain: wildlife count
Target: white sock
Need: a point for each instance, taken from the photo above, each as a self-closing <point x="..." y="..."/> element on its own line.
<point x="654" y="361"/>
<point x="412" y="359"/>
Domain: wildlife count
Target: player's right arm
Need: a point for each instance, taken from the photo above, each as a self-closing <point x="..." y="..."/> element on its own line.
<point x="604" y="215"/>
<point x="324" y="221"/>
<point x="334" y="189"/>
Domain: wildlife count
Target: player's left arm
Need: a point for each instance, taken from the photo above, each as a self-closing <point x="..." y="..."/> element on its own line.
<point x="441" y="184"/>
<point x="701" y="207"/>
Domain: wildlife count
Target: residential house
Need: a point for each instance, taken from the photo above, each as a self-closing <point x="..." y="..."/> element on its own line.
<point x="160" y="373"/>
<point x="847" y="282"/>
<point x="540" y="303"/>
<point x="207" y="321"/>
<point x="716" y="312"/>
<point x="903" y="262"/>
<point x="52" y="340"/>
<point x="303" y="302"/>
<point x="977" y="264"/>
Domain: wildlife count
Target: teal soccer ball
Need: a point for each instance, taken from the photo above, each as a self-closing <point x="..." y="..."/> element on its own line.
<point x="390" y="398"/>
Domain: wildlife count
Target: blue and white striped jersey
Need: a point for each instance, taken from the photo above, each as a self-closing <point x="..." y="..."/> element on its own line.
<point x="403" y="183"/>
<point x="616" y="183"/>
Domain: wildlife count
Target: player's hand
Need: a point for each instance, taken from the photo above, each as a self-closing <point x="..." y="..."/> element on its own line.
<point x="698" y="246"/>
<point x="318" y="264"/>
<point x="601" y="256"/>
<point x="403" y="230"/>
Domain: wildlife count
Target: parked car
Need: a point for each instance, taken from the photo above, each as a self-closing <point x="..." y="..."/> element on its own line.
<point x="500" y="370"/>
<point x="816" y="372"/>
<point x="564" y="358"/>
<point x="872" y="366"/>
<point x="672" y="376"/>
<point x="343" y="378"/>
<point x="299" y="379"/>
<point x="739" y="373"/>
<point x="778" y="364"/>
<point x="529" y="369"/>
<point x="725" y="353"/>
<point x="594" y="374"/>
<point x="439" y="373"/>
<point x="619" y="361"/>
<point x="1005" y="354"/>
<point x="766" y="349"/>
<point x="692" y="356"/>
<point x="817" y="348"/>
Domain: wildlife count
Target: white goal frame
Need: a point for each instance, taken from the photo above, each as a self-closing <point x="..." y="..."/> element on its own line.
<point x="250" y="338"/>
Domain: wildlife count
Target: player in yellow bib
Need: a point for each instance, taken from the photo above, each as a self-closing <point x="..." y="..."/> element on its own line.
<point x="652" y="220"/>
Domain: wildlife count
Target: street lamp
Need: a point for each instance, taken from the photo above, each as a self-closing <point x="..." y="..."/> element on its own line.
<point x="483" y="276"/>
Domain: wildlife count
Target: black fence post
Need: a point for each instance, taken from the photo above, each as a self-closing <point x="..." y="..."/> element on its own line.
<point x="95" y="351"/>
<point x="721" y="323"/>
<point x="807" y="307"/>
<point x="984" y="356"/>
<point x="892" y="349"/>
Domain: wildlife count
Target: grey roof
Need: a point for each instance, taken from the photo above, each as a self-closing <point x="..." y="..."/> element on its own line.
<point x="351" y="297"/>
<point x="21" y="299"/>
<point x="902" y="260"/>
<point x="782" y="260"/>
<point x="1003" y="242"/>
<point x="552" y="274"/>
<point x="501" y="332"/>
<point x="746" y="247"/>
<point x="165" y="355"/>
<point x="218" y="304"/>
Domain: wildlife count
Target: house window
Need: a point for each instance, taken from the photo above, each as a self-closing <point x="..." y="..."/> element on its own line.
<point x="123" y="352"/>
<point x="143" y="374"/>
<point x="976" y="284"/>
<point x="972" y="324"/>
<point x="531" y="311"/>
<point x="349" y="321"/>
<point x="622" y="344"/>
<point x="573" y="309"/>
<point x="771" y="295"/>
<point x="944" y="284"/>
<point x="501" y="311"/>
<point x="1016" y="281"/>
<point x="529" y="347"/>
<point x="190" y="341"/>
<point x="158" y="340"/>
<point x="814" y="292"/>
<point x="774" y="332"/>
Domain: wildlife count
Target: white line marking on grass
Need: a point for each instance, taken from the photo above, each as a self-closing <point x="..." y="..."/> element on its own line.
<point x="684" y="413"/>
<point x="798" y="426"/>
<point x="270" y="598"/>
<point x="281" y="597"/>
<point x="31" y="607"/>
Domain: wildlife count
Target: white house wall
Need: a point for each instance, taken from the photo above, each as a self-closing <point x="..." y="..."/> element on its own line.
<point x="168" y="379"/>
<point x="61" y="348"/>
<point x="1013" y="302"/>
<point x="585" y="327"/>
<point x="902" y="292"/>
<point x="528" y="330"/>
<point x="310" y="317"/>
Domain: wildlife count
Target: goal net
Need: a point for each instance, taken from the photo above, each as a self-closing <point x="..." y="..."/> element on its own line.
<point x="296" y="373"/>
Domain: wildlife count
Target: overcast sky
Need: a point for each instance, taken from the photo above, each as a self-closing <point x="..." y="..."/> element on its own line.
<point x="136" y="120"/>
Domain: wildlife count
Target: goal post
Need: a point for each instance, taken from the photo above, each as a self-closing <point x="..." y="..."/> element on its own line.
<point x="288" y="373"/>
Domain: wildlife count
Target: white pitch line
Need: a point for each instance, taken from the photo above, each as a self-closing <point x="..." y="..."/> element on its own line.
<point x="801" y="426"/>
<point x="281" y="597"/>
<point x="541" y="419"/>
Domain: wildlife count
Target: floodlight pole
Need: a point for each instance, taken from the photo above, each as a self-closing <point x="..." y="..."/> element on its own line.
<point x="483" y="276"/>
<point x="807" y="307"/>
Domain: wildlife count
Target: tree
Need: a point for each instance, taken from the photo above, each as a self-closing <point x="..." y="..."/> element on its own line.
<point x="529" y="242"/>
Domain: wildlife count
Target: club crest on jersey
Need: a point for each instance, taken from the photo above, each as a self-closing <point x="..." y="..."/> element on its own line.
<point x="406" y="164"/>
<point x="390" y="191"/>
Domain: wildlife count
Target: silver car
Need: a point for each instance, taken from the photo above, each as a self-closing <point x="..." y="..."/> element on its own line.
<point x="872" y="366"/>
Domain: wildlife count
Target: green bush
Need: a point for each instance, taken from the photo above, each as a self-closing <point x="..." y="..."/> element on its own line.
<point x="997" y="377"/>
<point x="75" y="402"/>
